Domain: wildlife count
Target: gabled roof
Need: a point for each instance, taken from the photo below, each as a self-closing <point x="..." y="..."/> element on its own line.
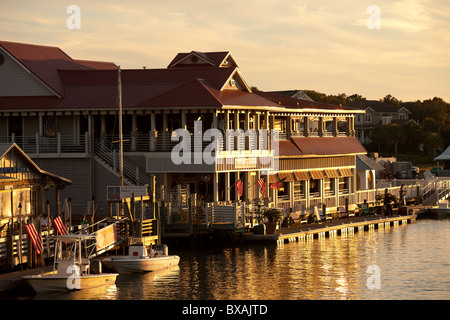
<point x="444" y="155"/>
<point x="7" y="147"/>
<point x="376" y="106"/>
<point x="197" y="59"/>
<point x="294" y="103"/>
<point x="44" y="62"/>
<point x="299" y="94"/>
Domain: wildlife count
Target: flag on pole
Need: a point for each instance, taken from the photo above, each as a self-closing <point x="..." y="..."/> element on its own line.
<point x="62" y="230"/>
<point x="36" y="238"/>
<point x="240" y="187"/>
<point x="262" y="186"/>
<point x="277" y="185"/>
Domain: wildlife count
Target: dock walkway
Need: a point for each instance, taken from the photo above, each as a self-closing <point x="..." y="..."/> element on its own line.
<point x="13" y="280"/>
<point x="330" y="229"/>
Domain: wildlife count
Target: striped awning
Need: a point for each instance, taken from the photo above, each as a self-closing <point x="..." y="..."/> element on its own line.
<point x="286" y="175"/>
<point x="301" y="175"/>
<point x="273" y="178"/>
<point x="317" y="174"/>
<point x="332" y="173"/>
<point x="346" y="172"/>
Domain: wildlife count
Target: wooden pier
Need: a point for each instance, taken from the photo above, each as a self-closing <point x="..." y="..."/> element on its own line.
<point x="330" y="229"/>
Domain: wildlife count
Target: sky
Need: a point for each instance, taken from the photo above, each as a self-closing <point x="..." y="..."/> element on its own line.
<point x="372" y="48"/>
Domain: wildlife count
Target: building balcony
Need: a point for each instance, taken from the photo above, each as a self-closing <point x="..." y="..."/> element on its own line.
<point x="57" y="146"/>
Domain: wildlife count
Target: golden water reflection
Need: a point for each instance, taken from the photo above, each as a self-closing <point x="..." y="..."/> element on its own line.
<point x="414" y="264"/>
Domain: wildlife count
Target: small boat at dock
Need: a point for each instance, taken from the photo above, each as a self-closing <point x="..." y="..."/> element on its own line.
<point x="72" y="272"/>
<point x="141" y="259"/>
<point x="441" y="211"/>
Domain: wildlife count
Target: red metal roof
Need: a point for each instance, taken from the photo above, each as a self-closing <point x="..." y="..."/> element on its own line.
<point x="294" y="103"/>
<point x="45" y="61"/>
<point x="329" y="145"/>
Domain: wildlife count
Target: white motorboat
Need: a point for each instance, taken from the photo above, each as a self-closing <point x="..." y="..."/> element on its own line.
<point x="72" y="272"/>
<point x="139" y="259"/>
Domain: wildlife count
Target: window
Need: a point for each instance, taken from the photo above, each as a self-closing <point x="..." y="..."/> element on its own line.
<point x="403" y="116"/>
<point x="343" y="185"/>
<point x="314" y="188"/>
<point x="368" y="117"/>
<point x="329" y="186"/>
<point x="299" y="187"/>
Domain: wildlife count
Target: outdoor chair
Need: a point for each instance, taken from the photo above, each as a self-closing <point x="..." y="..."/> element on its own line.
<point x="345" y="214"/>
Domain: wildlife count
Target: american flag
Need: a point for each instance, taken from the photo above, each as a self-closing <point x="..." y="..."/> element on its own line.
<point x="277" y="185"/>
<point x="240" y="187"/>
<point x="62" y="230"/>
<point x="262" y="186"/>
<point x="36" y="238"/>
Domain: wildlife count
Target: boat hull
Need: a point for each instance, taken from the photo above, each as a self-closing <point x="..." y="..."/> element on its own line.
<point x="130" y="265"/>
<point x="53" y="283"/>
<point x="434" y="213"/>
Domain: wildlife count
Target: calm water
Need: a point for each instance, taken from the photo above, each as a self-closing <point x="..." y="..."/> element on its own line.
<point x="413" y="262"/>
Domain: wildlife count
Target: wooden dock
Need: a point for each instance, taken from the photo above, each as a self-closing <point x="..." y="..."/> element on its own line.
<point x="14" y="280"/>
<point x="330" y="229"/>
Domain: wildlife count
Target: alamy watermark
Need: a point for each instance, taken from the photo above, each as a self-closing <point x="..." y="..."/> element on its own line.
<point x="374" y="20"/>
<point x="226" y="147"/>
<point x="374" y="280"/>
<point x="73" y="22"/>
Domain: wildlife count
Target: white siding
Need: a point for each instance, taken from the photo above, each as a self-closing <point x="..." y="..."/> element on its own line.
<point x="16" y="81"/>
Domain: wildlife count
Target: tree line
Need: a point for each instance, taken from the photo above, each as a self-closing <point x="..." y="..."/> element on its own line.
<point x="427" y="134"/>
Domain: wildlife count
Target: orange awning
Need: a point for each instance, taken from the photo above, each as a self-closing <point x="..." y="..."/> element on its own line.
<point x="317" y="174"/>
<point x="346" y="172"/>
<point x="273" y="178"/>
<point x="285" y="175"/>
<point x="301" y="175"/>
<point x="332" y="173"/>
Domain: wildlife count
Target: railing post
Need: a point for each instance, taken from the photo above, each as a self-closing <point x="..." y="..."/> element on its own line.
<point x="37" y="143"/>
<point x="86" y="143"/>
<point x="58" y="135"/>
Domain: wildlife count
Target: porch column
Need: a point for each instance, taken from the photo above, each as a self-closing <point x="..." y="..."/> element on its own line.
<point x="288" y="127"/>
<point x="320" y="126"/>
<point x="227" y="186"/>
<point x="306" y="126"/>
<point x="215" y="187"/>
<point x="165" y="130"/>
<point x="134" y="131"/>
<point x="103" y="135"/>
<point x="214" y="117"/>
<point x="152" y="132"/>
<point x="183" y="119"/>
<point x="335" y="127"/>
<point x="246" y="127"/>
<point x="41" y="125"/>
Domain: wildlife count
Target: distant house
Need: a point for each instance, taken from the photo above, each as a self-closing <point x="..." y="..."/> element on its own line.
<point x="377" y="113"/>
<point x="296" y="94"/>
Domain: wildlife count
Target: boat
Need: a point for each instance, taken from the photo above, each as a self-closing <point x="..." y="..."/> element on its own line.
<point x="71" y="272"/>
<point x="441" y="211"/>
<point x="141" y="259"/>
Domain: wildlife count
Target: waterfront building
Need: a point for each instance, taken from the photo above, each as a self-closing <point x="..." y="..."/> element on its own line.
<point x="22" y="190"/>
<point x="64" y="113"/>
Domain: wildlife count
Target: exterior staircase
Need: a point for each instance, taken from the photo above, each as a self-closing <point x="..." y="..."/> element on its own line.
<point x="435" y="189"/>
<point x="107" y="155"/>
